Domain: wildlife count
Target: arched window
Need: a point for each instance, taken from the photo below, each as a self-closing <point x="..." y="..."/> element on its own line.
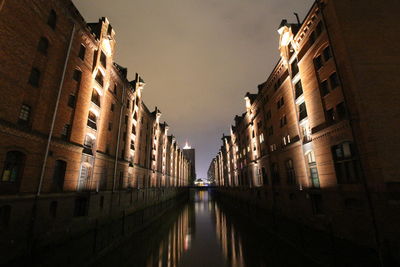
<point x="13" y="167"/>
<point x="43" y="45"/>
<point x="59" y="175"/>
<point x="52" y="20"/>
<point x="312" y="167"/>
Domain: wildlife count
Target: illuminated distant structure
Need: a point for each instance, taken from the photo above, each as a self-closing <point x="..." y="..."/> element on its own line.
<point x="189" y="153"/>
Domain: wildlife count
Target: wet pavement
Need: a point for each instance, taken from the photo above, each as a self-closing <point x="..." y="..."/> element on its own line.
<point x="202" y="232"/>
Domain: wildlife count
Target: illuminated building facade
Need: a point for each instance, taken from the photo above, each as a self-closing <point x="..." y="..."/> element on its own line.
<point x="59" y="79"/>
<point x="190" y="154"/>
<point x="313" y="140"/>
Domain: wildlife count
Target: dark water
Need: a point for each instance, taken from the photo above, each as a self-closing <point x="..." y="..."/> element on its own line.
<point x="203" y="233"/>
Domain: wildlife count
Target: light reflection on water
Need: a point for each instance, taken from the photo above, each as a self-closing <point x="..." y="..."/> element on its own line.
<point x="202" y="234"/>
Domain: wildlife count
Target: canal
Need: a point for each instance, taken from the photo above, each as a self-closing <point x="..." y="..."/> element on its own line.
<point x="202" y="232"/>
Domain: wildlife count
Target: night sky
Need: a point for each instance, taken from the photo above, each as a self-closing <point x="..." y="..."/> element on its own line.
<point x="197" y="57"/>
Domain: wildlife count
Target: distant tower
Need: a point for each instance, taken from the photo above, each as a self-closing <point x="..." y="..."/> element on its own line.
<point x="189" y="153"/>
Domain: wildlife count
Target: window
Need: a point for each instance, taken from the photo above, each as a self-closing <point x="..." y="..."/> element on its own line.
<point x="261" y="138"/>
<point x="126" y="119"/>
<point x="103" y="59"/>
<point x="82" y="52"/>
<point x="77" y="75"/>
<point x="88" y="141"/>
<point x="270" y="130"/>
<point x="99" y="78"/>
<point x="294" y="67"/>
<point x="291" y="175"/>
<point x="268" y="115"/>
<point x="330" y="115"/>
<point x="280" y="103"/>
<point x="43" y="45"/>
<point x="341" y="111"/>
<point x="53" y="209"/>
<point x="13" y="167"/>
<point x="112" y="107"/>
<point x="346" y="163"/>
<point x="327" y="53"/>
<point x="264" y="176"/>
<point x="275" y="174"/>
<point x="96" y="97"/>
<point x="318" y="62"/>
<point x="71" y="101"/>
<point x="81" y="206"/>
<point x="302" y="111"/>
<point x="298" y="89"/>
<point x="34" y="77"/>
<point x="324" y="88"/>
<point x="24" y="114"/>
<point x="59" y="175"/>
<point x="319" y="29"/>
<point x="115" y="88"/>
<point x="132" y="145"/>
<point x="283" y="121"/>
<point x="316" y="203"/>
<point x="312" y="166"/>
<point x="334" y="80"/>
<point x="128" y="104"/>
<point x="110" y="126"/>
<point x="5" y="215"/>
<point x="133" y="129"/>
<point x="92" y="120"/>
<point x="52" y="20"/>
<point x="65" y="132"/>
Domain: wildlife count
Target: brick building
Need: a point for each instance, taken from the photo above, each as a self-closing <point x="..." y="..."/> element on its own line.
<point x="59" y="79"/>
<point x="314" y="140"/>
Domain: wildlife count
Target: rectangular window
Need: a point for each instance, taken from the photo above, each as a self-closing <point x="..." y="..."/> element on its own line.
<point x="298" y="89"/>
<point x="77" y="75"/>
<point x="327" y="53"/>
<point x="294" y="67"/>
<point x="99" y="78"/>
<point x="103" y="59"/>
<point x="110" y="126"/>
<point x="302" y="111"/>
<point x="65" y="132"/>
<point x="324" y="88"/>
<point x="316" y="203"/>
<point x="334" y="80"/>
<point x="341" y="111"/>
<point x="112" y="107"/>
<point x="25" y="113"/>
<point x="82" y="52"/>
<point x="346" y="163"/>
<point x="34" y="77"/>
<point x="330" y="115"/>
<point x="318" y="62"/>
<point x="71" y="101"/>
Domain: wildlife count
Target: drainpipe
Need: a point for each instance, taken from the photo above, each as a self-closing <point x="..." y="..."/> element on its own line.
<point x="119" y="137"/>
<point x="117" y="148"/>
<point x="379" y="247"/>
<point x="39" y="189"/>
<point x="31" y="228"/>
